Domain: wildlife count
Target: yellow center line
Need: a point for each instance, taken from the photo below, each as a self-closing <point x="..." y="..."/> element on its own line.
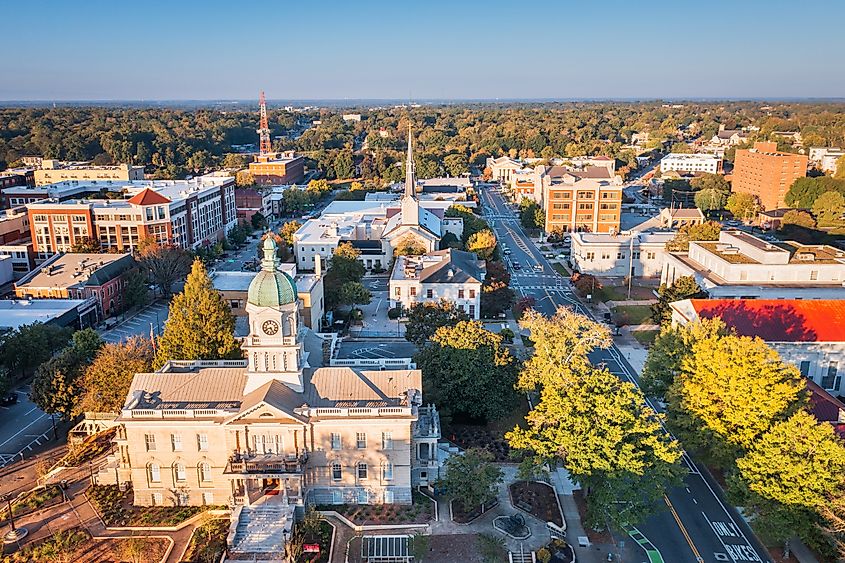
<point x="683" y="530"/>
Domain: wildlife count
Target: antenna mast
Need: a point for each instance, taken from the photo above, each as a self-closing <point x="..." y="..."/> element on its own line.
<point x="263" y="131"/>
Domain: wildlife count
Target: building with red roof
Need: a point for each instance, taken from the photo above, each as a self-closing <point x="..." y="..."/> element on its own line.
<point x="807" y="333"/>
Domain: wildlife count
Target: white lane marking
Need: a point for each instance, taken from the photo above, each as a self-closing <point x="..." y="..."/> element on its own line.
<point x="22" y="430"/>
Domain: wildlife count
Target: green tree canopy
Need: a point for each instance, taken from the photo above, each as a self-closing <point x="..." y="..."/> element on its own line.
<point x="467" y="370"/>
<point x="715" y="182"/>
<point x="496" y="294"/>
<point x="24" y="349"/>
<point x="685" y="287"/>
<point x="709" y="230"/>
<point x="804" y="191"/>
<point x="828" y="209"/>
<point x="471" y="478"/>
<point x="743" y="206"/>
<point x="483" y="244"/>
<point x="200" y="325"/>
<point x="344" y="267"/>
<point x="710" y="200"/>
<point x="425" y="318"/>
<point x="798" y="217"/>
<point x="106" y="381"/>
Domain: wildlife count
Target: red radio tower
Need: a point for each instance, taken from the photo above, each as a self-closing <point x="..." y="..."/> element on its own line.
<point x="263" y="128"/>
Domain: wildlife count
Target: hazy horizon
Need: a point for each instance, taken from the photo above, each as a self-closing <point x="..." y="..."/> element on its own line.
<point x="437" y="51"/>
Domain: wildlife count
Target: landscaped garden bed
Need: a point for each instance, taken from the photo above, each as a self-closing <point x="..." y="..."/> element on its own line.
<point x="624" y="315"/>
<point x="462" y="515"/>
<point x="421" y="511"/>
<point x="36" y="499"/>
<point x="596" y="536"/>
<point x="208" y="542"/>
<point x="645" y="337"/>
<point x="538" y="499"/>
<point x="116" y="509"/>
<point x="558" y="551"/>
<point x="61" y="546"/>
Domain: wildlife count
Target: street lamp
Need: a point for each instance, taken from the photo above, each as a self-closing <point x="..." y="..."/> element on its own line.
<point x="15" y="534"/>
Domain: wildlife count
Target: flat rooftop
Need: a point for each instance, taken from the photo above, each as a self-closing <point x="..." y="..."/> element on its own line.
<point x="73" y="269"/>
<point x="15" y="313"/>
<point x="171" y="189"/>
<point x="375" y="349"/>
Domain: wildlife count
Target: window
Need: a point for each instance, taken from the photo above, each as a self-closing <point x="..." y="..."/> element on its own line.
<point x="650" y="255"/>
<point x="397" y="291"/>
<point x="156" y="499"/>
<point x="460" y="294"/>
<point x="804" y="368"/>
<point x="620" y="255"/>
<point x="150" y="441"/>
<point x="387" y="471"/>
<point x="814" y="275"/>
<point x="208" y="499"/>
<point x="831" y="380"/>
<point x="387" y="440"/>
<point x="429" y="293"/>
<point x="155" y="473"/>
<point x="472" y="294"/>
<point x="179" y="470"/>
<point x="336" y="472"/>
<point x="202" y="442"/>
<point x="337" y="497"/>
<point x="361" y="440"/>
<point x="362" y="470"/>
<point x="205" y="472"/>
<point x="176" y="442"/>
<point x="363" y="496"/>
<point x="590" y="256"/>
<point x="335" y="441"/>
<point x="472" y="311"/>
<point x="388" y="497"/>
<point x="413" y="291"/>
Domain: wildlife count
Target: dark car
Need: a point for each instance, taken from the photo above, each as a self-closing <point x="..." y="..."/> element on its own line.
<point x="9" y="399"/>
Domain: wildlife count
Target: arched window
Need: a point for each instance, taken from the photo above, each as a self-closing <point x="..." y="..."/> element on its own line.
<point x="291" y="325"/>
<point x="155" y="473"/>
<point x="266" y="361"/>
<point x="255" y="360"/>
<point x="205" y="472"/>
<point x="274" y="362"/>
<point x="179" y="471"/>
<point x="336" y="472"/>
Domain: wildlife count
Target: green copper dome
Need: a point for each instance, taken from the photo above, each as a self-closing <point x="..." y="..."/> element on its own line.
<point x="270" y="287"/>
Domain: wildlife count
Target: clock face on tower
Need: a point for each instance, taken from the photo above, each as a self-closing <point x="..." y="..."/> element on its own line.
<point x="270" y="327"/>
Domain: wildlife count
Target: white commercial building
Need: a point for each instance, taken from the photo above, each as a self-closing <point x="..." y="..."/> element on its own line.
<point x="608" y="255"/>
<point x="453" y="275"/>
<point x="807" y="333"/>
<point x="502" y="168"/>
<point x="740" y="265"/>
<point x="700" y="162"/>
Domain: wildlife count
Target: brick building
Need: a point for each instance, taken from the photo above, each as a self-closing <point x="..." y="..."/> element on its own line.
<point x="766" y="173"/>
<point x="278" y="168"/>
<point x="588" y="200"/>
<point x="188" y="213"/>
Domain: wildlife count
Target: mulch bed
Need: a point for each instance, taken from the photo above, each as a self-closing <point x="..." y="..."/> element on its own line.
<point x="538" y="499"/>
<point x="777" y="556"/>
<point x="116" y="509"/>
<point x="420" y="512"/>
<point x="470" y="436"/>
<point x="451" y="548"/>
<point x="594" y="535"/>
<point x="463" y="516"/>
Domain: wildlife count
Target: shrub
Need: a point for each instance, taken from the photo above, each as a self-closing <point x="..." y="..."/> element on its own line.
<point x="394" y="312"/>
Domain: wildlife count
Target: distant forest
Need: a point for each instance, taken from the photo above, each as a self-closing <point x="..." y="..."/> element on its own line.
<point x="172" y="143"/>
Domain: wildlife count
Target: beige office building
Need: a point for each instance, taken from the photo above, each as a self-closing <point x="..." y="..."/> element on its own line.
<point x="55" y="171"/>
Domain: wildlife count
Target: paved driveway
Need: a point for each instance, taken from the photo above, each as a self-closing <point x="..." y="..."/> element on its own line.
<point x="23" y="426"/>
<point x="150" y="319"/>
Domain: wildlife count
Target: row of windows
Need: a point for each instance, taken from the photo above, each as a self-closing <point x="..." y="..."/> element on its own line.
<point x="181" y="499"/>
<point x="429" y="293"/>
<point x="362" y="471"/>
<point x="620" y="255"/>
<point x="361" y="441"/>
<point x="179" y="472"/>
<point x="176" y="442"/>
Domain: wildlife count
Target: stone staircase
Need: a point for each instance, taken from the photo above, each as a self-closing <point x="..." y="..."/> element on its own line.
<point x="261" y="528"/>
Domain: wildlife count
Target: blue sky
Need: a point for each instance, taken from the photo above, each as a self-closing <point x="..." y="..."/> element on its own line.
<point x="311" y="49"/>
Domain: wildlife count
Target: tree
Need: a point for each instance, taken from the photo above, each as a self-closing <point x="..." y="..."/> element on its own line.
<point x="296" y="200"/>
<point x="608" y="439"/>
<point x="409" y="245"/>
<point x="352" y="293"/>
<point x="244" y="179"/>
<point x="797" y="464"/>
<point x="344" y="267"/>
<point x="804" y="191"/>
<point x="561" y="345"/>
<point x="710" y="200"/>
<point x="319" y="187"/>
<point x="200" y="325"/>
<point x="449" y="240"/>
<point x="671" y="346"/>
<point x="456" y="164"/>
<point x="715" y="182"/>
<point x="87" y="343"/>
<point x="343" y="166"/>
<point x="471" y="478"/>
<point x="135" y="292"/>
<point x="234" y="161"/>
<point x="106" y="381"/>
<point x="840" y="168"/>
<point x="258" y="220"/>
<point x="799" y="218"/>
<point x="585" y="284"/>
<point x="287" y="231"/>
<point x="472" y="223"/>
<point x="729" y="391"/>
<point x="467" y="370"/>
<point x="425" y="318"/>
<point x="828" y="209"/>
<point x="483" y="243"/>
<point x="24" y="349"/>
<point x="709" y="230"/>
<point x="528" y="214"/>
<point x="685" y="287"/>
<point x="165" y="263"/>
<point x="682" y="148"/>
<point x="85" y="246"/>
<point x="496" y="294"/>
<point x="743" y="206"/>
<point x="56" y="386"/>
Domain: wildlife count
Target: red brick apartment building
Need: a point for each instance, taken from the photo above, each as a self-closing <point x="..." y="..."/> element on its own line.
<point x="278" y="169"/>
<point x="766" y="173"/>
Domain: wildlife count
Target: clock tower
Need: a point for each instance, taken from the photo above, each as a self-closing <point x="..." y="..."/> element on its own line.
<point x="273" y="348"/>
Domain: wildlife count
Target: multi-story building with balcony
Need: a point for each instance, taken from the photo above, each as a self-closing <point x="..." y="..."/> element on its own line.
<point x="188" y="213"/>
<point x="682" y="162"/>
<point x="274" y="427"/>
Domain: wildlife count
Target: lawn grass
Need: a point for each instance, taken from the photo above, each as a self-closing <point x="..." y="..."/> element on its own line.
<point x="625" y="315"/>
<point x="645" y="337"/>
<point x="561" y="269"/>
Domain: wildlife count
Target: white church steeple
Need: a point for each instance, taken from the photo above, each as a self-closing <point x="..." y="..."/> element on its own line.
<point x="410" y="205"/>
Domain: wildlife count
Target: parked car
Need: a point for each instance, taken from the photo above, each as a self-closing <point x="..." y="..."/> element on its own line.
<point x="517" y="266"/>
<point x="9" y="399"/>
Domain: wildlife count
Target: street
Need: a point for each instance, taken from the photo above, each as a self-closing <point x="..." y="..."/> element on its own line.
<point x="695" y="523"/>
<point x="23" y="426"/>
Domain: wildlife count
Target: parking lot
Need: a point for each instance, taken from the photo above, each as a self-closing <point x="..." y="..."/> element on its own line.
<point x="150" y="319"/>
<point x="23" y="426"/>
<point x="375" y="349"/>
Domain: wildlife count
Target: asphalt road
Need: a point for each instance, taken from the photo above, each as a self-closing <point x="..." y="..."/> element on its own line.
<point x="23" y="427"/>
<point x="695" y="523"/>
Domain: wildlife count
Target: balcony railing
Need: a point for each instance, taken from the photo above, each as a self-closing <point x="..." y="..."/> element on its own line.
<point x="267" y="463"/>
